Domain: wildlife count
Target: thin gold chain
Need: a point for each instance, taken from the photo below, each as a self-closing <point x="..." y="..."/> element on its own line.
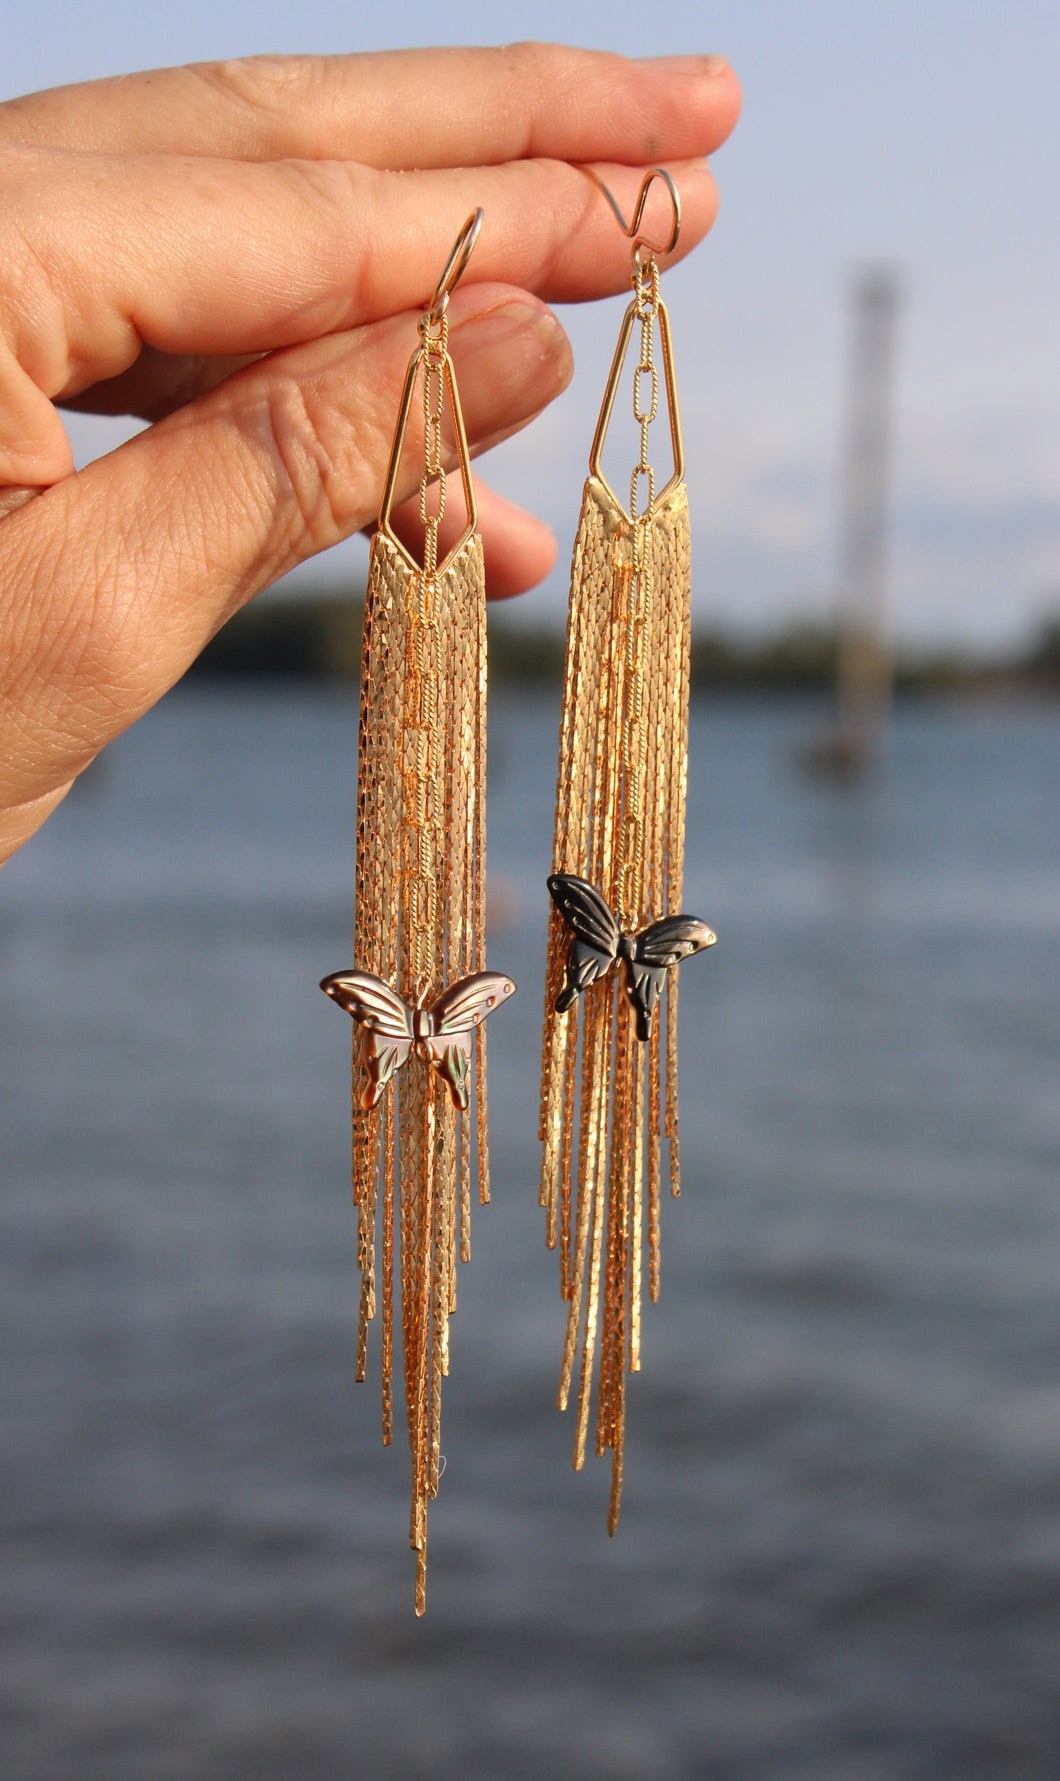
<point x="646" y="297"/>
<point x="434" y="350"/>
<point x="645" y="281"/>
<point x="422" y="753"/>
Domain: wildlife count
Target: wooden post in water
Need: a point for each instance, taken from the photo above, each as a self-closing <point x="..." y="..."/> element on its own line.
<point x="865" y="666"/>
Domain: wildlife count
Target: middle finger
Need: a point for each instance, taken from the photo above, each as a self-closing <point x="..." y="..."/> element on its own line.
<point x="230" y="258"/>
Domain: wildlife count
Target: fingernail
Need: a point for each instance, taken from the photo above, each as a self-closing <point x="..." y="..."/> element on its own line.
<point x="701" y="67"/>
<point x="518" y="352"/>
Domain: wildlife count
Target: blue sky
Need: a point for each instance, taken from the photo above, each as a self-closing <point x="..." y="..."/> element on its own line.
<point x="926" y="134"/>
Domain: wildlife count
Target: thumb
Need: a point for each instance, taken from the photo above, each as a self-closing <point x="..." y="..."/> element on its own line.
<point x="114" y="579"/>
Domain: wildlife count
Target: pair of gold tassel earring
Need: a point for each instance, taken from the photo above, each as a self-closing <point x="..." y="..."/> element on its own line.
<point x="419" y="993"/>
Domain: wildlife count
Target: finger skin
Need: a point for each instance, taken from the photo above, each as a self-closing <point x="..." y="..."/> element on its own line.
<point x="400" y="109"/>
<point x="20" y="821"/>
<point x="519" y="549"/>
<point x="157" y="383"/>
<point x="111" y="581"/>
<point x="219" y="258"/>
<point x="114" y="580"/>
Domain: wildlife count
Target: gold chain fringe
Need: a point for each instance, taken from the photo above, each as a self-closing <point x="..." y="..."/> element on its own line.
<point x="420" y="925"/>
<point x="620" y="802"/>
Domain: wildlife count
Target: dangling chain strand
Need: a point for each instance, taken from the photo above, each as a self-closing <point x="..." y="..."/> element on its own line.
<point x="423" y="803"/>
<point x="645" y="282"/>
<point x="418" y="992"/>
<point x="434" y="350"/>
<point x="617" y="932"/>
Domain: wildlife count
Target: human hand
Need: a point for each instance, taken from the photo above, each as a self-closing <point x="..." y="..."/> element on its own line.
<point x="232" y="252"/>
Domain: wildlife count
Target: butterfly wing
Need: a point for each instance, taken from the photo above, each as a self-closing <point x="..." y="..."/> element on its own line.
<point x="385" y="1022"/>
<point x="371" y="1003"/>
<point x="662" y="945"/>
<point x="451" y="1058"/>
<point x="596" y="934"/>
<point x="382" y="1058"/>
<point x="672" y="939"/>
<point x="585" y="912"/>
<point x="466" y="1003"/>
<point x="453" y="1019"/>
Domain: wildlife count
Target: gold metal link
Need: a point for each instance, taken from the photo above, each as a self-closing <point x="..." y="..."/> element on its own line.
<point x="643" y="415"/>
<point x="619" y="823"/>
<point x="645" y="280"/>
<point x="420" y="770"/>
<point x="433" y="353"/>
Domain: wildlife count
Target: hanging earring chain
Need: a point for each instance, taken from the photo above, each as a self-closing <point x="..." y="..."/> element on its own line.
<point x="636" y="586"/>
<point x="645" y="281"/>
<point x="422" y="800"/>
<point x="617" y="934"/>
<point x="418" y="992"/>
<point x="435" y="351"/>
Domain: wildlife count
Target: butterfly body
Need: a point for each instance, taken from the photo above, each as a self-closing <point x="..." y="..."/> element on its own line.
<point x="598" y="943"/>
<point x="440" y="1035"/>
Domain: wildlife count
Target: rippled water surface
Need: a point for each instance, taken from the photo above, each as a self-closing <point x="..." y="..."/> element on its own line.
<point x="840" y="1545"/>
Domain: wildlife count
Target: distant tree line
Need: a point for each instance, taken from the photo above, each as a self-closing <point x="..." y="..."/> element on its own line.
<point x="319" y="638"/>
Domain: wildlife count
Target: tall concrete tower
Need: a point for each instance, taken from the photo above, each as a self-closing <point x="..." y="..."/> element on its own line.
<point x="865" y="664"/>
<point x="864" y="632"/>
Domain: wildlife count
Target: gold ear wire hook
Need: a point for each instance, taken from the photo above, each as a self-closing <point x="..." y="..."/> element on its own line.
<point x="455" y="266"/>
<point x="431" y="361"/>
<point x="645" y="307"/>
<point x="641" y="244"/>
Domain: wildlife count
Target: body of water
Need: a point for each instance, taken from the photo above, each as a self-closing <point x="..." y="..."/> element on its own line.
<point x="839" y="1557"/>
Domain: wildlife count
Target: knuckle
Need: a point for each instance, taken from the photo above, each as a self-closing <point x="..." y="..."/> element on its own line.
<point x="323" y="507"/>
<point x="265" y="85"/>
<point x="331" y="203"/>
<point x="530" y="74"/>
<point x="259" y="80"/>
<point x="328" y="186"/>
<point x="541" y="77"/>
<point x="535" y="64"/>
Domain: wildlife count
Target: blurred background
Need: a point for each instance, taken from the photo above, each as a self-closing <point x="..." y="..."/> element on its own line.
<point x="839" y="1556"/>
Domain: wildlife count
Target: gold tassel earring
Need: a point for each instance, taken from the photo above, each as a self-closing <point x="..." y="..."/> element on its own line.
<point x="613" y="942"/>
<point x="418" y="992"/>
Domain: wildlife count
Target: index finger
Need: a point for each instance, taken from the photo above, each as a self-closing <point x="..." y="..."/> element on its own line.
<point x="399" y="109"/>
